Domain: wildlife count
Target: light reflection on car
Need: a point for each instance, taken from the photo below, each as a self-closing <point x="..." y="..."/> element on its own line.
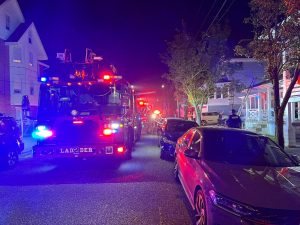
<point x="233" y="177"/>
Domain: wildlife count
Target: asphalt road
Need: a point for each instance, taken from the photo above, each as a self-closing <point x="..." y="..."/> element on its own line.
<point x="139" y="191"/>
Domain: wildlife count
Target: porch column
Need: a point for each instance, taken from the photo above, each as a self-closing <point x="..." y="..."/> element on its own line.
<point x="259" y="106"/>
<point x="269" y="105"/>
<point x="247" y="109"/>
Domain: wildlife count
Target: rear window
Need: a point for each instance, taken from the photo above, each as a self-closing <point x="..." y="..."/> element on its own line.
<point x="243" y="148"/>
<point x="180" y="126"/>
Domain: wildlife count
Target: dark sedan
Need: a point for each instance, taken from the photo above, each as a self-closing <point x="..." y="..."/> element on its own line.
<point x="172" y="129"/>
<point x="232" y="176"/>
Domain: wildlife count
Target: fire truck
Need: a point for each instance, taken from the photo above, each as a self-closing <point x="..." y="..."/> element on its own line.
<point x="85" y="110"/>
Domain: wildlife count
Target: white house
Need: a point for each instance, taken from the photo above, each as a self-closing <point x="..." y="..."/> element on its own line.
<point x="251" y="71"/>
<point x="260" y="111"/>
<point x="21" y="53"/>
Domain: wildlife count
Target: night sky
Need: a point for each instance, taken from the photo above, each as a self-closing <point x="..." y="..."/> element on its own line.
<point x="129" y="34"/>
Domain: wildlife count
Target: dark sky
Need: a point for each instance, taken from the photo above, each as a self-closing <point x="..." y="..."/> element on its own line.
<point x="128" y="33"/>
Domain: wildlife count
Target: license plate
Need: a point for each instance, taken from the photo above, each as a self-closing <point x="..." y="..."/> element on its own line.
<point x="76" y="150"/>
<point x="109" y="150"/>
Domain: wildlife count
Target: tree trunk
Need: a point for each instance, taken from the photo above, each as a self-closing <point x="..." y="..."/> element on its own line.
<point x="186" y="110"/>
<point x="277" y="112"/>
<point x="198" y="114"/>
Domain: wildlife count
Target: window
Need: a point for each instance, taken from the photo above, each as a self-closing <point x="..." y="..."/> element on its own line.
<point x="218" y="93"/>
<point x="7" y="22"/>
<point x="225" y="92"/>
<point x="17" y="54"/>
<point x="195" y="144"/>
<point x="254" y="102"/>
<point x="30" y="37"/>
<point x="30" y="59"/>
<point x="31" y="90"/>
<point x="297" y="110"/>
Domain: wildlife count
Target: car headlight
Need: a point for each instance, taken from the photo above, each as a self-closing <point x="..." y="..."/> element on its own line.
<point x="231" y="206"/>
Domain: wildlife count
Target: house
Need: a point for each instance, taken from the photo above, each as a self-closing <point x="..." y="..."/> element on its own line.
<point x="224" y="100"/>
<point x="21" y="53"/>
<point x="260" y="111"/>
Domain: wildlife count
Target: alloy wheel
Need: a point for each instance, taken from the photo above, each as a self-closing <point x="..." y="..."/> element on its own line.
<point x="201" y="218"/>
<point x="12" y="158"/>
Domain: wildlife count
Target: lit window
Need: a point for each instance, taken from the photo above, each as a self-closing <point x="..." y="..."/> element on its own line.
<point x="7" y="22"/>
<point x="17" y="54"/>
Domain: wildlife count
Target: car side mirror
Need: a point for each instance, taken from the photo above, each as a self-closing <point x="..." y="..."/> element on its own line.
<point x="191" y="153"/>
<point x="296" y="158"/>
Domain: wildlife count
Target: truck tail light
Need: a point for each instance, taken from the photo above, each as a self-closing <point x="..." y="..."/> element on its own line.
<point x="120" y="149"/>
<point x="107" y="131"/>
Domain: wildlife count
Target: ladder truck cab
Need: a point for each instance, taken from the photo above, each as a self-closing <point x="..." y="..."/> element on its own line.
<point x="84" y="111"/>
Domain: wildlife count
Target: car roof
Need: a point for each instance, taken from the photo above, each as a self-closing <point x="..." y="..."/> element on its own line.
<point x="224" y="129"/>
<point x="178" y="119"/>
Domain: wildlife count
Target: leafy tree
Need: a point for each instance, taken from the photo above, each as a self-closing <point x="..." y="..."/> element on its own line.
<point x="194" y="64"/>
<point x="276" y="42"/>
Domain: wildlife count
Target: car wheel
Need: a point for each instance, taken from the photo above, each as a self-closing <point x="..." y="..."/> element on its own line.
<point x="200" y="208"/>
<point x="203" y="123"/>
<point x="176" y="171"/>
<point x="11" y="158"/>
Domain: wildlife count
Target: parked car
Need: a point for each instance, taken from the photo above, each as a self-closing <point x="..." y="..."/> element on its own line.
<point x="11" y="143"/>
<point x="210" y="118"/>
<point x="233" y="176"/>
<point x="172" y="129"/>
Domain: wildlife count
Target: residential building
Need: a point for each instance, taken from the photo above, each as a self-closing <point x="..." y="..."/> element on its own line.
<point x="260" y="111"/>
<point x="21" y="53"/>
<point x="225" y="98"/>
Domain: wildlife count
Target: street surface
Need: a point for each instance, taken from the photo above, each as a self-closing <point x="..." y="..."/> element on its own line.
<point x="139" y="191"/>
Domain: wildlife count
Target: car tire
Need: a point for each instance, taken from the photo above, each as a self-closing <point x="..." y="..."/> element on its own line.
<point x="203" y="123"/>
<point x="11" y="158"/>
<point x="162" y="154"/>
<point x="200" y="208"/>
<point x="176" y="170"/>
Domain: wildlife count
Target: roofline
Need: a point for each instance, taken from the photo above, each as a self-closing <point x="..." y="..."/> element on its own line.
<point x="45" y="56"/>
<point x="237" y="60"/>
<point x="18" y="8"/>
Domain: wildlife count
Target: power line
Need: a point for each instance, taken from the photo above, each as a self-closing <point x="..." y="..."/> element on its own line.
<point x="227" y="10"/>
<point x="216" y="16"/>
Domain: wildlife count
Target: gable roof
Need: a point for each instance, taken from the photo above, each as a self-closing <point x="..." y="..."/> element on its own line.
<point x="18" y="33"/>
<point x="16" y="5"/>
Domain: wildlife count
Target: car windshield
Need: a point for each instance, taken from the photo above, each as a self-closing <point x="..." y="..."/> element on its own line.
<point x="243" y="149"/>
<point x="174" y="126"/>
<point x="57" y="100"/>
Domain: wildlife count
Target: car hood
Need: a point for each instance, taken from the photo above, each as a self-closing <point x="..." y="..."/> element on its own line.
<point x="266" y="187"/>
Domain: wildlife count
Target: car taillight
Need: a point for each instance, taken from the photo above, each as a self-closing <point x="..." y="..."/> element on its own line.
<point x="107" y="131"/>
<point x="42" y="132"/>
<point x="120" y="149"/>
<point x="77" y="122"/>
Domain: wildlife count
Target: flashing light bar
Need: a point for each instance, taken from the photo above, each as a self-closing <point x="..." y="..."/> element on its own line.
<point x="42" y="132"/>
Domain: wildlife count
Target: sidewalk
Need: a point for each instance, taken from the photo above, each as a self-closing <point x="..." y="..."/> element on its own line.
<point x="28" y="143"/>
